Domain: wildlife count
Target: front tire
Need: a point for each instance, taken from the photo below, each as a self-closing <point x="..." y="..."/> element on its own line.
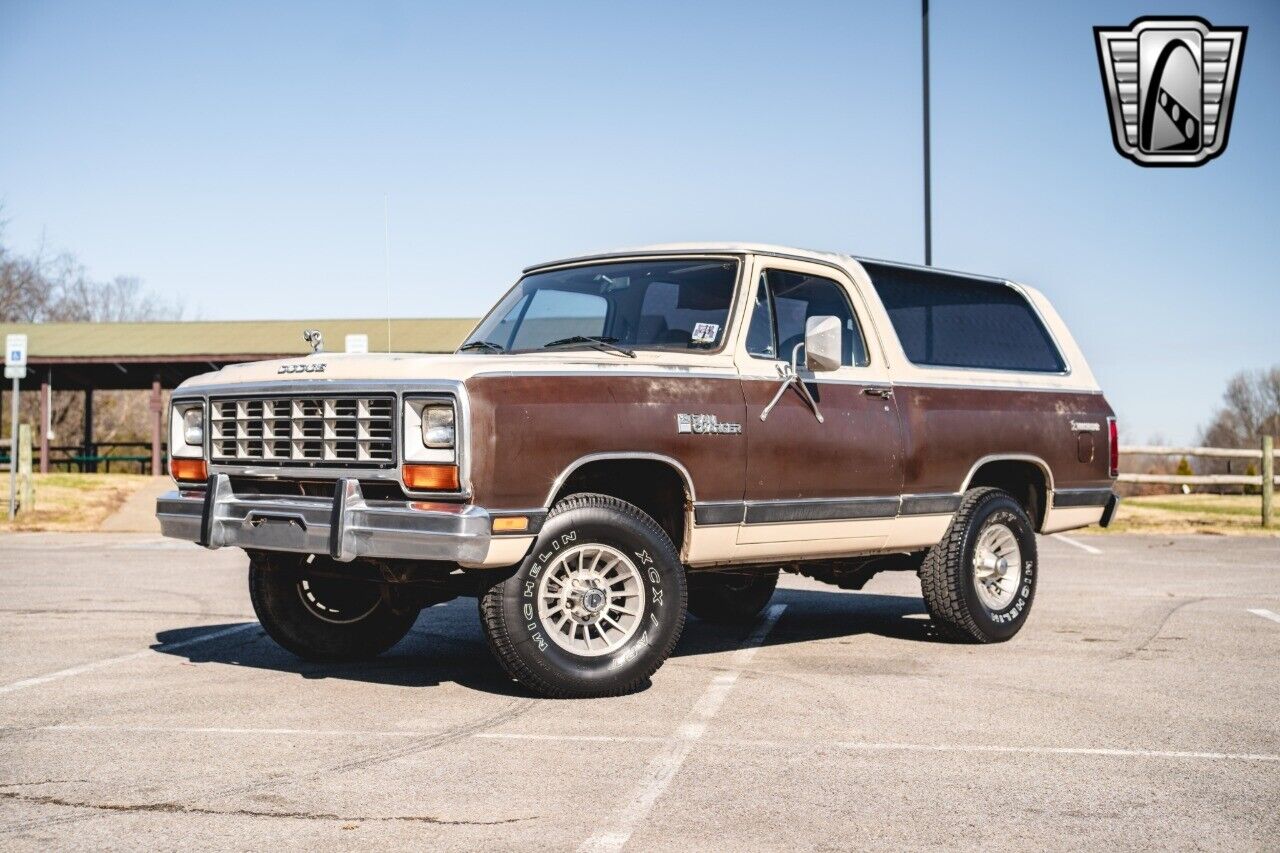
<point x="323" y="618"/>
<point x="595" y="608"/>
<point x="980" y="580"/>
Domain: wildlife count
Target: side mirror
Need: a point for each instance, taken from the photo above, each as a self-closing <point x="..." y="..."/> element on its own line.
<point x="822" y="343"/>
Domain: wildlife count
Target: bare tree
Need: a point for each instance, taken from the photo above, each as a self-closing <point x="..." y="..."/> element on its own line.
<point x="49" y="287"/>
<point x="1250" y="409"/>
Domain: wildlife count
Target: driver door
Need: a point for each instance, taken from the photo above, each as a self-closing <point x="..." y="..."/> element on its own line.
<point x="815" y="488"/>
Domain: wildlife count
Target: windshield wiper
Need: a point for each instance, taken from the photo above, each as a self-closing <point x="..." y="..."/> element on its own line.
<point x="484" y="345"/>
<point x="602" y="344"/>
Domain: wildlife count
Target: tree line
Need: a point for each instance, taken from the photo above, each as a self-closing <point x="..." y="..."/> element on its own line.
<point x="47" y="286"/>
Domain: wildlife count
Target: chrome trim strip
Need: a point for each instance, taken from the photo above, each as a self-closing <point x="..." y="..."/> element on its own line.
<point x="918" y="268"/>
<point x="596" y="457"/>
<point x="718" y="513"/>
<point x="938" y="504"/>
<point x="312" y="387"/>
<point x="1063" y="498"/>
<point x="648" y="372"/>
<point x="712" y="513"/>
<point x="1013" y="457"/>
<point x="636" y="254"/>
<point x="974" y="386"/>
<point x="821" y="509"/>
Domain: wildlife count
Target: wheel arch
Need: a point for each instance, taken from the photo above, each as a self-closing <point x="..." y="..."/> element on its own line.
<point x="667" y="494"/>
<point x="1025" y="476"/>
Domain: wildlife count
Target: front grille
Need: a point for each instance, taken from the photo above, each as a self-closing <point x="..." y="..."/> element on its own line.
<point x="322" y="431"/>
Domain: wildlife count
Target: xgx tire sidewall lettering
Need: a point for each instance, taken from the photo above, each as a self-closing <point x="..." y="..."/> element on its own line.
<point x="1004" y="623"/>
<point x="661" y="576"/>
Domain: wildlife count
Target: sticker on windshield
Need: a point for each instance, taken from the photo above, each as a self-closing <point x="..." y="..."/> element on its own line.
<point x="705" y="333"/>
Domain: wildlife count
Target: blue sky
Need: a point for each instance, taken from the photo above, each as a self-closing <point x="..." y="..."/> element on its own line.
<point x="238" y="156"/>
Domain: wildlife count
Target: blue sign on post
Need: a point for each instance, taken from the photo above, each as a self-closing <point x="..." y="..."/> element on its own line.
<point x="15" y="362"/>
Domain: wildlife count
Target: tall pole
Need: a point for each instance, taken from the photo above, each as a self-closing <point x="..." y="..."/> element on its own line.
<point x="928" y="202"/>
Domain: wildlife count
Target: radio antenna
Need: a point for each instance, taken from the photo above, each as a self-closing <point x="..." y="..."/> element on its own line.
<point x="386" y="247"/>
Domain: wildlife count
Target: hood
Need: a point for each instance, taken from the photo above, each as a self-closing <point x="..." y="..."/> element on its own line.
<point x="391" y="367"/>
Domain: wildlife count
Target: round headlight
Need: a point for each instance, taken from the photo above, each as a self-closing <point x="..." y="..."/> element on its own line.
<point x="437" y="426"/>
<point x="193" y="427"/>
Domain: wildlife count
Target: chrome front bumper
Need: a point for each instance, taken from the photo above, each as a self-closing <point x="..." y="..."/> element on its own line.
<point x="344" y="527"/>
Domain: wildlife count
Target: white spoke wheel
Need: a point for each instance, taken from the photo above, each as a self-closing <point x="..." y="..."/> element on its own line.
<point x="591" y="599"/>
<point x="596" y="606"/>
<point x="997" y="566"/>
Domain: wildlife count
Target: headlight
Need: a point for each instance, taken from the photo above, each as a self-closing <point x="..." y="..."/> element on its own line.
<point x="186" y="430"/>
<point x="438" y="427"/>
<point x="193" y="427"/>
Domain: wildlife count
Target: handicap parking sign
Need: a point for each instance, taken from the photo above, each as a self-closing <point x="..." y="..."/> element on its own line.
<point x="15" y="357"/>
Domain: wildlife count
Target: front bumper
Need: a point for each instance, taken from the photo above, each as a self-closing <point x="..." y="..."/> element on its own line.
<point x="343" y="527"/>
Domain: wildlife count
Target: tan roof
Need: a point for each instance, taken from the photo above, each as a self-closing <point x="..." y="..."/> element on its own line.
<point x="215" y="339"/>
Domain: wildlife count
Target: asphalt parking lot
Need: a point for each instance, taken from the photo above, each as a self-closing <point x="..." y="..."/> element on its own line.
<point x="142" y="707"/>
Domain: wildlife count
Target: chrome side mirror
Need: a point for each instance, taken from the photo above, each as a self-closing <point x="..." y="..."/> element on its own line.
<point x="822" y="349"/>
<point x="822" y="343"/>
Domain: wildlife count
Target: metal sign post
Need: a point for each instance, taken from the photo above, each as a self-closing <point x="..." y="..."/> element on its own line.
<point x="15" y="368"/>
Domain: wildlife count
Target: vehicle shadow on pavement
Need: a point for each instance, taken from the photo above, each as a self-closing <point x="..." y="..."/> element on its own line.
<point x="446" y="645"/>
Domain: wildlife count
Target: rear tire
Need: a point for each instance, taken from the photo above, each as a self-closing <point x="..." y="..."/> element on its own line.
<point x="980" y="580"/>
<point x="596" y="606"/>
<point x="323" y="618"/>
<point x="730" y="598"/>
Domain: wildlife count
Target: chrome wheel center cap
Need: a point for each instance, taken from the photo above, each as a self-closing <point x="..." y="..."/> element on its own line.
<point x="593" y="600"/>
<point x="996" y="566"/>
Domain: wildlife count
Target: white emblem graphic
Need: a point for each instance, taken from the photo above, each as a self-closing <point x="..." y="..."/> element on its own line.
<point x="705" y="425"/>
<point x="1171" y="85"/>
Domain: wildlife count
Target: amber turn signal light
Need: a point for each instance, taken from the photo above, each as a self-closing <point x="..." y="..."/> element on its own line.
<point x="431" y="478"/>
<point x="189" y="470"/>
<point x="511" y="524"/>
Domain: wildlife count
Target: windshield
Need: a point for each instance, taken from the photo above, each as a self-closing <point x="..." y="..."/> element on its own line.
<point x="669" y="305"/>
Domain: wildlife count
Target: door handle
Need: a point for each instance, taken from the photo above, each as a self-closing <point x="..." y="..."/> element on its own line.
<point x="883" y="393"/>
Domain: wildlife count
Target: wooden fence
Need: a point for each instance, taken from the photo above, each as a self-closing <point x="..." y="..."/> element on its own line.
<point x="1266" y="480"/>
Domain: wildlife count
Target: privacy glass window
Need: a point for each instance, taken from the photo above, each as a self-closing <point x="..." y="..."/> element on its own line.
<point x="665" y="305"/>
<point x="784" y="302"/>
<point x="950" y="321"/>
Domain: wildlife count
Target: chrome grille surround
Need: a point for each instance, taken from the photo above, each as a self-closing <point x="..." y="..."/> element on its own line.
<point x="323" y="430"/>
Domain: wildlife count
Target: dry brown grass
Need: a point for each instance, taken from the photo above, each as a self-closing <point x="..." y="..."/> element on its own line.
<point x="1218" y="515"/>
<point x="70" y="502"/>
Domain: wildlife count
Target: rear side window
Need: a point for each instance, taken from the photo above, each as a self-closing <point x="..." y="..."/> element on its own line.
<point x="950" y="321"/>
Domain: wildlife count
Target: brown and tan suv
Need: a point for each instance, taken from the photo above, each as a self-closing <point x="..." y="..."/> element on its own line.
<point x="630" y="434"/>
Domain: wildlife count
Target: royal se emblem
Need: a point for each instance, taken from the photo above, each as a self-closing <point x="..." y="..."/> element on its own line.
<point x="705" y="425"/>
<point x="1170" y="85"/>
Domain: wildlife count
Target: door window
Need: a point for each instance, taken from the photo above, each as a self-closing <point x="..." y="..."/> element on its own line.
<point x="783" y="304"/>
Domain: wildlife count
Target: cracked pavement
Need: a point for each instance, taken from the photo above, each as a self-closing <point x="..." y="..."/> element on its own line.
<point x="142" y="707"/>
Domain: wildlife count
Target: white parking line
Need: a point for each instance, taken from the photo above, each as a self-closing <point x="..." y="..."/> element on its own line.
<point x="1061" y="750"/>
<point x="90" y="667"/>
<point x="238" y="730"/>
<point x="663" y="767"/>
<point x="1266" y="614"/>
<point x="791" y="746"/>
<point x="1088" y="549"/>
